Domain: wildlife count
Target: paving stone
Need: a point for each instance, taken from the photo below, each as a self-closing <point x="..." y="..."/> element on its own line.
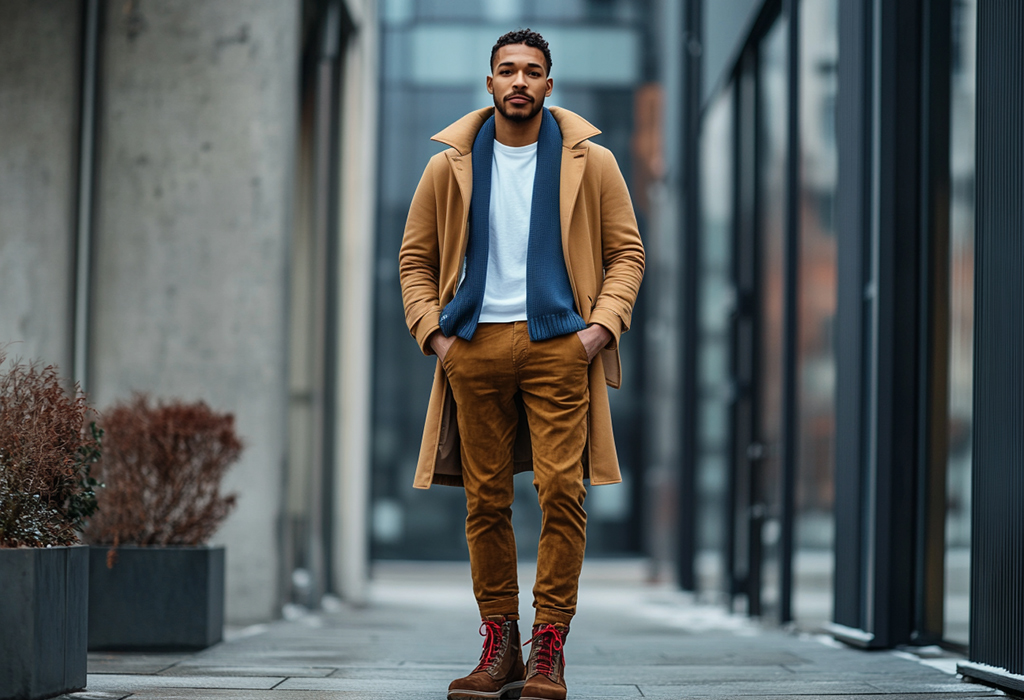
<point x="444" y="673"/>
<point x="133" y="683"/>
<point x="667" y="675"/>
<point x="191" y="694"/>
<point x="389" y="685"/>
<point x="764" y="657"/>
<point x="902" y="686"/>
<point x="126" y="662"/>
<point x="200" y="669"/>
<point x="684" y="693"/>
<point x="604" y="691"/>
<point x="764" y="689"/>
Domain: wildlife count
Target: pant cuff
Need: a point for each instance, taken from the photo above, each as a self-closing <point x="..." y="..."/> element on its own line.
<point x="552" y="617"/>
<point x="504" y="606"/>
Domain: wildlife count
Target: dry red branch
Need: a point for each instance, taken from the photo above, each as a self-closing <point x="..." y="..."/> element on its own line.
<point x="46" y="450"/>
<point x="162" y="467"/>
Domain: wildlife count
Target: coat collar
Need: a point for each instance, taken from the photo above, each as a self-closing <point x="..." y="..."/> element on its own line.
<point x="460" y="135"/>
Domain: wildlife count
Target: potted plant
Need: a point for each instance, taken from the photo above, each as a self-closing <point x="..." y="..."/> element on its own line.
<point x="46" y="494"/>
<point x="154" y="582"/>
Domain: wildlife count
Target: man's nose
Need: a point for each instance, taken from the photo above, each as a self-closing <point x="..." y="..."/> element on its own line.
<point x="520" y="80"/>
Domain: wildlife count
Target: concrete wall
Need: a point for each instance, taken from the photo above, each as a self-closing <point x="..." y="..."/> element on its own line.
<point x="198" y="123"/>
<point x="38" y="146"/>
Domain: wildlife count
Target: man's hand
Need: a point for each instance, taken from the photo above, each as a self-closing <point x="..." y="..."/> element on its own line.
<point x="440" y="344"/>
<point x="594" y="338"/>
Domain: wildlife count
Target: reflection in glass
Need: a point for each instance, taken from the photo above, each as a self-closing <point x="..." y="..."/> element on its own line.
<point x="773" y="93"/>
<point x="961" y="322"/>
<point x="716" y="302"/>
<point x="814" y="533"/>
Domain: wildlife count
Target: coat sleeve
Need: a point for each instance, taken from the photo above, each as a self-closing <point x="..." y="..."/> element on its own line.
<point x="622" y="253"/>
<point x="419" y="262"/>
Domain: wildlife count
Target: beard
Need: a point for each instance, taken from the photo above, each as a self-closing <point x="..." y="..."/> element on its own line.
<point x="518" y="116"/>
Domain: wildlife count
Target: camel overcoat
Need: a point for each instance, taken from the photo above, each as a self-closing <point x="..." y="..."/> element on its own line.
<point x="603" y="256"/>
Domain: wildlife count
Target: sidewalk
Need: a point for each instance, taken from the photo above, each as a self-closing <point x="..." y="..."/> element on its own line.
<point x="629" y="640"/>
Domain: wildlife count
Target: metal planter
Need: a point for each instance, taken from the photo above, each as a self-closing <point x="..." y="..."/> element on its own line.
<point x="43" y="621"/>
<point x="156" y="598"/>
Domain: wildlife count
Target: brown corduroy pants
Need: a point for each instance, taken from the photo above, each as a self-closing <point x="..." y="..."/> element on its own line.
<point x="485" y="374"/>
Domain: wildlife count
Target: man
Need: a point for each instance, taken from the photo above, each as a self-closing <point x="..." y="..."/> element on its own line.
<point x="520" y="265"/>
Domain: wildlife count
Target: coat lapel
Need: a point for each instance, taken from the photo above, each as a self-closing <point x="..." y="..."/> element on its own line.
<point x="574" y="162"/>
<point x="462" y="169"/>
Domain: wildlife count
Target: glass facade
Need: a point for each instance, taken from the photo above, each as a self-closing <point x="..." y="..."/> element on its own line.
<point x="961" y="322"/>
<point x="434" y="63"/>
<point x="816" y="371"/>
<point x="773" y="117"/>
<point x="717" y="300"/>
<point x="745" y="278"/>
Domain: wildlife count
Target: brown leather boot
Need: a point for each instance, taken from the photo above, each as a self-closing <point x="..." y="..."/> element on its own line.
<point x="500" y="671"/>
<point x="545" y="671"/>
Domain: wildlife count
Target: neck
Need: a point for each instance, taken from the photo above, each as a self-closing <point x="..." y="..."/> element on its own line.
<point x="515" y="134"/>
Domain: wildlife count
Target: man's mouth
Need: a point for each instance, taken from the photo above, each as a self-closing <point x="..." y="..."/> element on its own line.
<point x="519" y="99"/>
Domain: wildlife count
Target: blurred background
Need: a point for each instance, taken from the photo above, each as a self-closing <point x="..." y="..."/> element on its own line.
<point x="205" y="199"/>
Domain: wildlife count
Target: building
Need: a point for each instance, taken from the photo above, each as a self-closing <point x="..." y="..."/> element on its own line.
<point x="184" y="192"/>
<point x="851" y="414"/>
<point x="822" y="419"/>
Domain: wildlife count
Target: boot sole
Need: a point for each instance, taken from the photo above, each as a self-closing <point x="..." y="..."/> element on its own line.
<point x="510" y="691"/>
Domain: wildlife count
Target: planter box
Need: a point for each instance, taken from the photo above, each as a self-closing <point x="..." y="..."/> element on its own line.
<point x="43" y="608"/>
<point x="156" y="598"/>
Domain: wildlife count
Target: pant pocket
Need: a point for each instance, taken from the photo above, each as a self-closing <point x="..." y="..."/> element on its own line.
<point x="580" y="346"/>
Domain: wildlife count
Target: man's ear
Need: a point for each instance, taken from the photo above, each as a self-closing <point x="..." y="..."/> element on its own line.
<point x="490" y="84"/>
<point x="551" y="84"/>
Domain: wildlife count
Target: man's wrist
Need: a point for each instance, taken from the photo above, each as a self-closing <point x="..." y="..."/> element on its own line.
<point x="433" y="338"/>
<point x="608" y="335"/>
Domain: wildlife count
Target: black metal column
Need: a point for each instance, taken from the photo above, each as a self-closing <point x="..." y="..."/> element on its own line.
<point x="790" y="315"/>
<point x="853" y="206"/>
<point x="933" y="370"/>
<point x="879" y="228"/>
<point x="891" y="539"/>
<point x="744" y="528"/>
<point x="997" y="536"/>
<point x="689" y="164"/>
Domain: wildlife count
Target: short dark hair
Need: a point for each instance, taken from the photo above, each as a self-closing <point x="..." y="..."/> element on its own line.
<point x="523" y="36"/>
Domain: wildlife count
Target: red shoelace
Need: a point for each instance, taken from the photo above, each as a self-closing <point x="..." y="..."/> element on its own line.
<point x="491" y="631"/>
<point x="544" y="658"/>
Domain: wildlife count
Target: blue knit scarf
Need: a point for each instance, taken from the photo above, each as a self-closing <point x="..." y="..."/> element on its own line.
<point x="550" y="310"/>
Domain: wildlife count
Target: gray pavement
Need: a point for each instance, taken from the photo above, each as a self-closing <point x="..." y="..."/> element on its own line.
<point x="629" y="640"/>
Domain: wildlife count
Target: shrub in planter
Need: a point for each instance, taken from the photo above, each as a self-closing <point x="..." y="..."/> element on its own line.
<point x="154" y="583"/>
<point x="46" y="494"/>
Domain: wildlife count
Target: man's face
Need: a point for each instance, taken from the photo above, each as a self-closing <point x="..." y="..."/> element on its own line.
<point x="519" y="82"/>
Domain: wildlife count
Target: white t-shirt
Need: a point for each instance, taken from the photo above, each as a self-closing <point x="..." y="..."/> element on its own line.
<point x="512" y="175"/>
